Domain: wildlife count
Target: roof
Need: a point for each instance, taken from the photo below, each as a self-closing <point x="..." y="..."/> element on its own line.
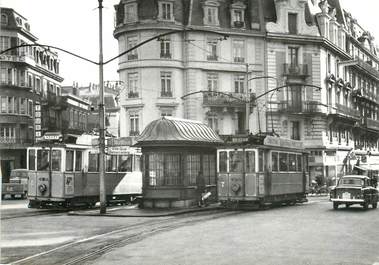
<point x="356" y="176"/>
<point x="168" y="130"/>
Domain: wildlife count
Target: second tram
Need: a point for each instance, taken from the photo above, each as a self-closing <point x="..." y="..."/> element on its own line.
<point x="262" y="170"/>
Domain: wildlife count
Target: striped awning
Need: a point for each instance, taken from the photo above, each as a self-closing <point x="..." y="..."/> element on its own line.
<point x="168" y="130"/>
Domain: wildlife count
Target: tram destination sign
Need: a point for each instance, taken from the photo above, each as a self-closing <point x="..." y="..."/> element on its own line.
<point x="281" y="142"/>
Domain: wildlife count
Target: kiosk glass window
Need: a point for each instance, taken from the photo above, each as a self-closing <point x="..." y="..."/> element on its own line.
<point x="236" y="161"/>
<point x="172" y="169"/>
<point x="32" y="159"/>
<point x="43" y="160"/>
<point x="209" y="169"/>
<point x="192" y="168"/>
<point x="69" y="160"/>
<point x="155" y="169"/>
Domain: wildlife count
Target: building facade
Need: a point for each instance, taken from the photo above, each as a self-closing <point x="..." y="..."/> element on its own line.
<point x="325" y="62"/>
<point x="30" y="85"/>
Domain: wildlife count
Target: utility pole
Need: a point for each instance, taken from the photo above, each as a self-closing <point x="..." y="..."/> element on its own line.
<point x="103" y="196"/>
<point x="247" y="118"/>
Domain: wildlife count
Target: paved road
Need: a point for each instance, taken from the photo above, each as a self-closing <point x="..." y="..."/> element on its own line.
<point x="310" y="233"/>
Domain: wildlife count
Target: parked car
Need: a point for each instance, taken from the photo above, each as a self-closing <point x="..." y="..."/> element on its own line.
<point x="354" y="189"/>
<point x="18" y="184"/>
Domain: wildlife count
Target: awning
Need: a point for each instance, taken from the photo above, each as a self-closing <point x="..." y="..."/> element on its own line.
<point x="368" y="167"/>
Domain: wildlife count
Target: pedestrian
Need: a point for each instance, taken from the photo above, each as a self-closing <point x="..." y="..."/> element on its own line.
<point x="200" y="183"/>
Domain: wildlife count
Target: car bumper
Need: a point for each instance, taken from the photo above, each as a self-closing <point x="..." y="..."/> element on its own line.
<point x="348" y="200"/>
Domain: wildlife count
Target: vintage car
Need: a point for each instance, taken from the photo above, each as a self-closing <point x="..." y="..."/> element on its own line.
<point x="18" y="184"/>
<point x="354" y="189"/>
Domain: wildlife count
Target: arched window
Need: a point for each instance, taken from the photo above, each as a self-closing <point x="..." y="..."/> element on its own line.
<point x="4" y="19"/>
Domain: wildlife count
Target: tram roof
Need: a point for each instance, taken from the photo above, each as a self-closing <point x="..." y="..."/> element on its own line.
<point x="169" y="131"/>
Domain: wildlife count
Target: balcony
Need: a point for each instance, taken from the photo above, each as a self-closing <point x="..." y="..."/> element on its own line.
<point x="239" y="59"/>
<point x="133" y="133"/>
<point x="346" y="111"/>
<point x="166" y="55"/>
<point x="212" y="57"/>
<point x="132" y="56"/>
<point x="238" y="24"/>
<point x="300" y="107"/>
<point x="371" y="124"/>
<point x="15" y="141"/>
<point x="166" y="94"/>
<point x="220" y="100"/>
<point x="297" y="70"/>
<point x="367" y="67"/>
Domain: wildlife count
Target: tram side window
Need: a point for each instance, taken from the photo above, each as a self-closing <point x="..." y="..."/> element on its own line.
<point x="111" y="163"/>
<point x="261" y="160"/>
<point x="274" y="162"/>
<point x="93" y="165"/>
<point x="125" y="163"/>
<point x="42" y="159"/>
<point x="299" y="163"/>
<point x="222" y="160"/>
<point x="236" y="161"/>
<point x="56" y="159"/>
<point x="32" y="159"/>
<point x="291" y="162"/>
<point x="69" y="160"/>
<point x="78" y="161"/>
<point x="283" y="162"/>
<point x="250" y="161"/>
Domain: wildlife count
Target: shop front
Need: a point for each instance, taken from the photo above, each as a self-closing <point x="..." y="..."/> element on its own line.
<point x="177" y="155"/>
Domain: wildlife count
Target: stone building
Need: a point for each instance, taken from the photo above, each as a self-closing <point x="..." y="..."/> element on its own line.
<point x="29" y="87"/>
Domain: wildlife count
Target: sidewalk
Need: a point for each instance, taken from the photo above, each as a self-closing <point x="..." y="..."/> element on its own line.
<point x="134" y="211"/>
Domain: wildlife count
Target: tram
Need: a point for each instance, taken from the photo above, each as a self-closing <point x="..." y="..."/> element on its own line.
<point x="261" y="170"/>
<point x="67" y="175"/>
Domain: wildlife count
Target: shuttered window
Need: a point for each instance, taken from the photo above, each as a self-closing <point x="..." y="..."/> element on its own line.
<point x="292" y="23"/>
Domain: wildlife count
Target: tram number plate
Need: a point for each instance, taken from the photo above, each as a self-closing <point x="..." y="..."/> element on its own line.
<point x="346" y="195"/>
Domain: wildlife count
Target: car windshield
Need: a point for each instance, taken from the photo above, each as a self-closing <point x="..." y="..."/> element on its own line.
<point x="352" y="181"/>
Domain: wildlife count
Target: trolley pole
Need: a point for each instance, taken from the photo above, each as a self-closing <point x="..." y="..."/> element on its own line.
<point x="247" y="118"/>
<point x="101" y="115"/>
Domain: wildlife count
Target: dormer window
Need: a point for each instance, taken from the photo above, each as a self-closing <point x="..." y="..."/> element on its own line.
<point x="210" y="13"/>
<point x="166" y="11"/>
<point x="4" y="19"/>
<point x="130" y="14"/>
<point x="19" y="21"/>
<point x="237" y="14"/>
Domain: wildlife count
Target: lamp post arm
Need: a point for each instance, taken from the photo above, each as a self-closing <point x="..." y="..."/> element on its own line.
<point x="271" y="90"/>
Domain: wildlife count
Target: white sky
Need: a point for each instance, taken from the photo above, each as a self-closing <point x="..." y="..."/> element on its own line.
<point x="73" y="25"/>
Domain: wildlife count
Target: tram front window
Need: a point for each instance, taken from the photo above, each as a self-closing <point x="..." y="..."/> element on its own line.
<point x="236" y="161"/>
<point x="223" y="160"/>
<point x="56" y="158"/>
<point x="125" y="163"/>
<point x="250" y="161"/>
<point x="32" y="159"/>
<point x="42" y="159"/>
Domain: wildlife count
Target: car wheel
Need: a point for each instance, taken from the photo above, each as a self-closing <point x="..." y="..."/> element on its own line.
<point x="335" y="205"/>
<point x="365" y="205"/>
<point x="374" y="205"/>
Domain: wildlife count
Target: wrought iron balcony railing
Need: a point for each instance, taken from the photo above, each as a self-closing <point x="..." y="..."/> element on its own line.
<point x="295" y="69"/>
<point x="229" y="100"/>
<point x="301" y="107"/>
<point x="346" y="111"/>
<point x="11" y="140"/>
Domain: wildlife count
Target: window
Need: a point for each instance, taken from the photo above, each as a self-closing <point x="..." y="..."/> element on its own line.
<point x="274" y="162"/>
<point x="111" y="163"/>
<point x="130" y="14"/>
<point x="236" y="161"/>
<point x="32" y="159"/>
<point x="283" y="162"/>
<point x="130" y="43"/>
<point x="211" y="16"/>
<point x="293" y="53"/>
<point x="261" y="160"/>
<point x="4" y="19"/>
<point x="4" y="43"/>
<point x="212" y="50"/>
<point x="133" y="85"/>
<point x="165" y="48"/>
<point x="43" y="159"/>
<point x="166" y="90"/>
<point x="125" y="163"/>
<point x="23" y="105"/>
<point x="212" y="81"/>
<point x="223" y="159"/>
<point x="250" y="161"/>
<point x="295" y="130"/>
<point x="292" y="23"/>
<point x="209" y="169"/>
<point x="56" y="158"/>
<point x="166" y="112"/>
<point x="4" y="101"/>
<point x="166" y="11"/>
<point x="239" y="83"/>
<point x="213" y="121"/>
<point x="238" y="51"/>
<point x="16" y="105"/>
<point x="291" y="162"/>
<point x="192" y="168"/>
<point x="69" y="160"/>
<point x="10" y="104"/>
<point x="93" y="162"/>
<point x="134" y="124"/>
<point x="78" y="160"/>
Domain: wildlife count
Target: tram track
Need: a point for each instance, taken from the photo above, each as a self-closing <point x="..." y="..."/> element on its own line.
<point x="32" y="214"/>
<point x="72" y="253"/>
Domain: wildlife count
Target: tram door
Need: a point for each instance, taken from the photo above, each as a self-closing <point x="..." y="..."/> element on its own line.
<point x="236" y="173"/>
<point x="223" y="176"/>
